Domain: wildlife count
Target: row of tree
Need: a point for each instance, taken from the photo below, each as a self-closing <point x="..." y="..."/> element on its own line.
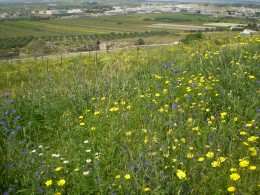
<point x="15" y="42"/>
<point x="108" y="36"/>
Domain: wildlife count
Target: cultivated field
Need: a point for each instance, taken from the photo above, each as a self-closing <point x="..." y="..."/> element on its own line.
<point x="57" y="35"/>
<point x="104" y="24"/>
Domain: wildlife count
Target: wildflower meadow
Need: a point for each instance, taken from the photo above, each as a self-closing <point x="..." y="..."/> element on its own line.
<point x="171" y="120"/>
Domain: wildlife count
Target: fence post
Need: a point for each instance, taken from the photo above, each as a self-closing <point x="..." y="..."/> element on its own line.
<point x="61" y="58"/>
<point x="47" y="65"/>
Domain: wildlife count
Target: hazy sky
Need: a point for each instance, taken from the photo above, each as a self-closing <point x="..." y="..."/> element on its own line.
<point x="220" y="1"/>
<point x="198" y="1"/>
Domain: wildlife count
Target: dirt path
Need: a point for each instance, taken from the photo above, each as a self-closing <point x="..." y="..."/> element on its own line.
<point x="75" y="54"/>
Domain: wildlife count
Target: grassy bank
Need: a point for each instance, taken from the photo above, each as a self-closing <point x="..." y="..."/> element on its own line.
<point x="169" y="120"/>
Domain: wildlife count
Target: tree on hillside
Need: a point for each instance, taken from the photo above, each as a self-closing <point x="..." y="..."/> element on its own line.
<point x="193" y="36"/>
<point x="140" y="42"/>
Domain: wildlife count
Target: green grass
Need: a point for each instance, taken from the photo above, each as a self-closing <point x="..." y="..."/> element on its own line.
<point x="178" y="120"/>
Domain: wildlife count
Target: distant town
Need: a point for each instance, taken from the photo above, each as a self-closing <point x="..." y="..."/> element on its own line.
<point x="145" y="8"/>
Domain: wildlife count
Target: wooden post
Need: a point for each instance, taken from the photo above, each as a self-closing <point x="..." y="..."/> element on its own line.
<point x="169" y="52"/>
<point x="96" y="57"/>
<point x="61" y="59"/>
<point x="137" y="49"/>
<point x="96" y="64"/>
<point x="47" y="65"/>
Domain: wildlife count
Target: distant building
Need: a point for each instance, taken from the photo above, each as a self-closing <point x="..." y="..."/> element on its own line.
<point x="42" y="12"/>
<point x="5" y="15"/>
<point x="114" y="12"/>
<point x="166" y="9"/>
<point x="63" y="11"/>
<point x="18" y="13"/>
<point x="211" y="11"/>
<point x="239" y="13"/>
<point x="74" y="11"/>
<point x="131" y="10"/>
<point x="52" y="12"/>
<point x="182" y="8"/>
<point x="116" y="8"/>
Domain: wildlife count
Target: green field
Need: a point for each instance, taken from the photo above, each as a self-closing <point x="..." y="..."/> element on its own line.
<point x="76" y="26"/>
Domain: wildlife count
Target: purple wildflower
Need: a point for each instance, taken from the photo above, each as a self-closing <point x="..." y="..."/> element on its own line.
<point x="10" y="165"/>
<point x="158" y="85"/>
<point x="5" y="95"/>
<point x="43" y="166"/>
<point x="164" y="66"/>
<point x="176" y="70"/>
<point x="175" y="105"/>
<point x="14" y="111"/>
<point x="194" y="84"/>
<point x="10" y="101"/>
<point x="18" y="128"/>
<point x="151" y="105"/>
<point x="147" y="164"/>
<point x="37" y="174"/>
<point x="17" y="118"/>
<point x="40" y="190"/>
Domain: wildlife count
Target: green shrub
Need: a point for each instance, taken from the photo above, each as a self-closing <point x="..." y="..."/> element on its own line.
<point x="192" y="37"/>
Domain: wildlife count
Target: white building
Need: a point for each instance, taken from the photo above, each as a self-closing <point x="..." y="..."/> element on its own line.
<point x="74" y="11"/>
<point x="42" y="12"/>
<point x="166" y="9"/>
<point x="116" y="8"/>
<point x="52" y="12"/>
<point x="180" y="8"/>
<point x="4" y="15"/>
<point x="114" y="12"/>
